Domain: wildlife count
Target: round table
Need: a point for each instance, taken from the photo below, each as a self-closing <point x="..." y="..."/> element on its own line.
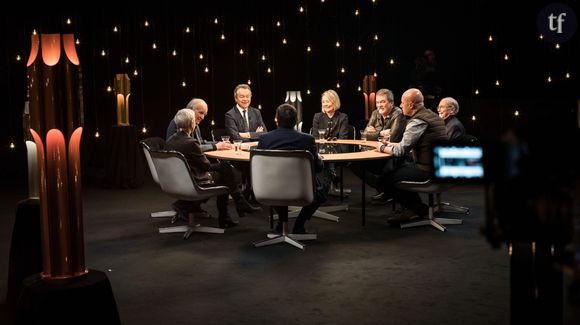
<point x="330" y="151"/>
<point x="329" y="154"/>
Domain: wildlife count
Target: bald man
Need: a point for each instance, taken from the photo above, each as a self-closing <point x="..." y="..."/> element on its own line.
<point x="424" y="127"/>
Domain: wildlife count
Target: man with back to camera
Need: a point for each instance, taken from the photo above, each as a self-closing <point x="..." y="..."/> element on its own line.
<point x="244" y="122"/>
<point x="285" y="137"/>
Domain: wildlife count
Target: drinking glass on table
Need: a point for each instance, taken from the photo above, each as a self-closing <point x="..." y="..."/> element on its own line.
<point x="363" y="135"/>
<point x="225" y="138"/>
<point x="387" y="137"/>
<point x="322" y="135"/>
<point x="238" y="146"/>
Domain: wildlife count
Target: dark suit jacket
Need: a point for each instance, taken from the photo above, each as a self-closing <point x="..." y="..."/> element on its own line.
<point x="338" y="125"/>
<point x="290" y="139"/>
<point x="455" y="129"/>
<point x="196" y="159"/>
<point x="235" y="123"/>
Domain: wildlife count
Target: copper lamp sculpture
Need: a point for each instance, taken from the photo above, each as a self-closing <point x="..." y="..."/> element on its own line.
<point x="56" y="109"/>
<point x="65" y="291"/>
<point x="369" y="90"/>
<point x="123" y="91"/>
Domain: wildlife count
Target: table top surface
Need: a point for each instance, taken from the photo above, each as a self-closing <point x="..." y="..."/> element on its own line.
<point x="331" y="151"/>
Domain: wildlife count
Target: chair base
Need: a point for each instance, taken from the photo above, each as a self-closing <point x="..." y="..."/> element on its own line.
<point x="163" y="214"/>
<point x="166" y="214"/>
<point x="435" y="205"/>
<point x="448" y="207"/>
<point x="436" y="223"/>
<point x="292" y="239"/>
<point x="336" y="191"/>
<point x="174" y="215"/>
<point x="321" y="213"/>
<point x="188" y="230"/>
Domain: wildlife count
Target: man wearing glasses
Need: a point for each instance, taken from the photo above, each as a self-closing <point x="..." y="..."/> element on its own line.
<point x="447" y="109"/>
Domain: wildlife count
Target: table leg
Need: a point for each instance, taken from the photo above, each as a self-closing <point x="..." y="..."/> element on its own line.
<point x="363" y="212"/>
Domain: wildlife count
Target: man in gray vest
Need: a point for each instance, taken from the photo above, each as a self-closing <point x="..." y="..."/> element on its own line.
<point x="424" y="127"/>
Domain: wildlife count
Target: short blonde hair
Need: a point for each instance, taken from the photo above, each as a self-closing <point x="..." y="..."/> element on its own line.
<point x="333" y="97"/>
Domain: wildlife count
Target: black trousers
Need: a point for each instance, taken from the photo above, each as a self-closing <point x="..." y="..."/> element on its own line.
<point x="222" y="173"/>
<point x="406" y="172"/>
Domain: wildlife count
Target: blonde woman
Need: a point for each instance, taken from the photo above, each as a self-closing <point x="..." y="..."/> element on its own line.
<point x="330" y="119"/>
<point x="336" y="125"/>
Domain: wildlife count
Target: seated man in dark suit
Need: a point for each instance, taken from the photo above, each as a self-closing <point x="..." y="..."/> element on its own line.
<point x="287" y="138"/>
<point x="447" y="109"/>
<point x="244" y="122"/>
<point x="200" y="108"/>
<point x="204" y="172"/>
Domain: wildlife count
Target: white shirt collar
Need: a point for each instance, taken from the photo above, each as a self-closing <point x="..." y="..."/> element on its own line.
<point x="240" y="109"/>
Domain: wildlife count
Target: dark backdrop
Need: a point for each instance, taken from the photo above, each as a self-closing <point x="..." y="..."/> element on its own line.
<point x="458" y="33"/>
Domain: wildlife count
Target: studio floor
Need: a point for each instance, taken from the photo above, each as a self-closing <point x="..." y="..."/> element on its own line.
<point x="376" y="274"/>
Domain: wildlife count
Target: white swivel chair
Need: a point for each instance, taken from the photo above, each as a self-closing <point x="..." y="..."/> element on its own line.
<point x="33" y="187"/>
<point x="433" y="191"/>
<point x="283" y="178"/>
<point x="156" y="143"/>
<point x="176" y="181"/>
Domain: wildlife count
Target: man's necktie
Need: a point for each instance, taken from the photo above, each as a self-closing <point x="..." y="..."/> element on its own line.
<point x="198" y="135"/>
<point x="245" y="121"/>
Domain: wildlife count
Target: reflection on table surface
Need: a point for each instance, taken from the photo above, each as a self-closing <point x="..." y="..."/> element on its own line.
<point x="339" y="150"/>
<point x="333" y="147"/>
